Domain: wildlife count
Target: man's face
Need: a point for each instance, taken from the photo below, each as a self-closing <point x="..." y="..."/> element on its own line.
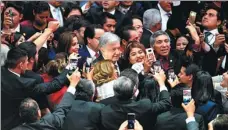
<point x="109" y="5"/>
<point x="162" y="45"/>
<point x="109" y="25"/>
<point x="126" y="4"/>
<point x="16" y="15"/>
<point x="137" y="24"/>
<point x="94" y="43"/>
<point x="224" y="82"/>
<point x="134" y="36"/>
<point x="111" y="51"/>
<point x="183" y="77"/>
<point x="210" y="19"/>
<point x="166" y="5"/>
<point x="41" y="18"/>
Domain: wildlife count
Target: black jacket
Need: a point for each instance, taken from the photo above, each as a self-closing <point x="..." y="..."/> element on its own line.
<point x="112" y="116"/>
<point x="51" y="121"/>
<point x="14" y="89"/>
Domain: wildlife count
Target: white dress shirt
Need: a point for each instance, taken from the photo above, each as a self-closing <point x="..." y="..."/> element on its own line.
<point x="91" y="52"/>
<point x="57" y="14"/>
<point x="164" y="17"/>
<point x="15" y="73"/>
<point x="112" y="12"/>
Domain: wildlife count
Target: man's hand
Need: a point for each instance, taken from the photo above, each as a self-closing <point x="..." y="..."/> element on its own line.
<point x="174" y="83"/>
<point x="160" y="77"/>
<point x="74" y="78"/>
<point x="138" y="126"/>
<point x="7" y="23"/>
<point x="53" y="25"/>
<point x="189" y="108"/>
<point x="219" y="39"/>
<point x="193" y="33"/>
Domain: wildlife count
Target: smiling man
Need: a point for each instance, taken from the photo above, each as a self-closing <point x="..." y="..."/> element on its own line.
<point x="160" y="42"/>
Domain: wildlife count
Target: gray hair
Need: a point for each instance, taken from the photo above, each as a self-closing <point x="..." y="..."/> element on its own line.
<point x="123" y="88"/>
<point x="131" y="74"/>
<point x="155" y="35"/>
<point x="108" y="38"/>
<point x="151" y="17"/>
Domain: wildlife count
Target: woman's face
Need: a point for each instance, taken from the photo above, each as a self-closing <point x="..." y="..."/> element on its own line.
<point x="74" y="45"/>
<point x="181" y="43"/>
<point x="137" y="55"/>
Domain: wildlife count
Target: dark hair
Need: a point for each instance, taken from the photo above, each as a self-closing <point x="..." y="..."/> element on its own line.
<point x="18" y="5"/>
<point x="125" y="34"/>
<point x="13" y="39"/>
<point x="80" y="23"/>
<point x="71" y="7"/>
<point x="149" y="88"/>
<point x="90" y="32"/>
<point x="42" y="58"/>
<point x="105" y="16"/>
<point x="131" y="74"/>
<point x="202" y="87"/>
<point x="30" y="48"/>
<point x="191" y="69"/>
<point x="219" y="17"/>
<point x="85" y="90"/>
<point x="172" y="22"/>
<point x="15" y="56"/>
<point x="65" y="41"/>
<point x="40" y="6"/>
<point x="29" y="110"/>
<point x="69" y="23"/>
<point x="130" y="46"/>
<point x="220" y="122"/>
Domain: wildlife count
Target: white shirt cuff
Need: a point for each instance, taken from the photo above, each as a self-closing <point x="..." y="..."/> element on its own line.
<point x="71" y="89"/>
<point x="190" y="119"/>
<point x="163" y="88"/>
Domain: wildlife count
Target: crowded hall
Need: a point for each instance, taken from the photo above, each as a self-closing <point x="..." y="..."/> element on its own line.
<point x="114" y="65"/>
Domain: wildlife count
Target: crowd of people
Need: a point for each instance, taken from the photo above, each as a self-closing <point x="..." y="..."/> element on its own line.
<point x="85" y="65"/>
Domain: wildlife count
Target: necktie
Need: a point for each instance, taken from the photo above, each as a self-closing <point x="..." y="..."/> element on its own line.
<point x="168" y="14"/>
<point x="97" y="54"/>
<point x="207" y="34"/>
<point x="117" y="69"/>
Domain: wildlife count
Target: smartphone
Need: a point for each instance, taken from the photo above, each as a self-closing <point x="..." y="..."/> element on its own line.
<point x="187" y="96"/>
<point x="150" y="54"/>
<point x="131" y="121"/>
<point x="157" y="66"/>
<point x="192" y="17"/>
<point x="88" y="64"/>
<point x="171" y="75"/>
<point x="74" y="61"/>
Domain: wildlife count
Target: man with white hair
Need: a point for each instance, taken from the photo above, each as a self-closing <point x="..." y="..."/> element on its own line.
<point x="151" y="24"/>
<point x="109" y="46"/>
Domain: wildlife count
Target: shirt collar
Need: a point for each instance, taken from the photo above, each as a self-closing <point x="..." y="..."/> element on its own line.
<point x="163" y="12"/>
<point x="91" y="52"/>
<point x="214" y="31"/>
<point x="17" y="29"/>
<point x="15" y="73"/>
<point x="52" y="8"/>
<point x="112" y="12"/>
<point x="123" y="10"/>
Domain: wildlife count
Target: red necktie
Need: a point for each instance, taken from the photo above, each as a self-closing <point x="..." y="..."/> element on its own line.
<point x="97" y="55"/>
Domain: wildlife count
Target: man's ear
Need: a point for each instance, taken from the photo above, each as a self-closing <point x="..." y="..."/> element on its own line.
<point x="190" y="77"/>
<point x="31" y="60"/>
<point x="117" y="3"/>
<point x="21" y="16"/>
<point x="89" y="40"/>
<point x="124" y="42"/>
<point x="39" y="114"/>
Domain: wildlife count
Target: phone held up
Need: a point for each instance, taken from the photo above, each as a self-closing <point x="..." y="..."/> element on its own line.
<point x="187" y="96"/>
<point x="131" y="121"/>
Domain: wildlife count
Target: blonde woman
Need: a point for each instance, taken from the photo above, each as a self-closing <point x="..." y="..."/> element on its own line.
<point x="104" y="74"/>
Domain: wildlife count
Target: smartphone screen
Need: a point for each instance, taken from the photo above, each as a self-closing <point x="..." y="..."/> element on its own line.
<point x="171" y="74"/>
<point x="150" y="54"/>
<point x="88" y="64"/>
<point x="187" y="96"/>
<point x="131" y="121"/>
<point x="157" y="66"/>
<point x="192" y="17"/>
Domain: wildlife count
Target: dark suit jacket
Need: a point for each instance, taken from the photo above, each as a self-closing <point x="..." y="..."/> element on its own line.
<point x="83" y="116"/>
<point x="145" y="39"/>
<point x="175" y="119"/>
<point x="84" y="53"/>
<point x="51" y="121"/>
<point x="112" y="116"/>
<point x="14" y="89"/>
<point x="193" y="125"/>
